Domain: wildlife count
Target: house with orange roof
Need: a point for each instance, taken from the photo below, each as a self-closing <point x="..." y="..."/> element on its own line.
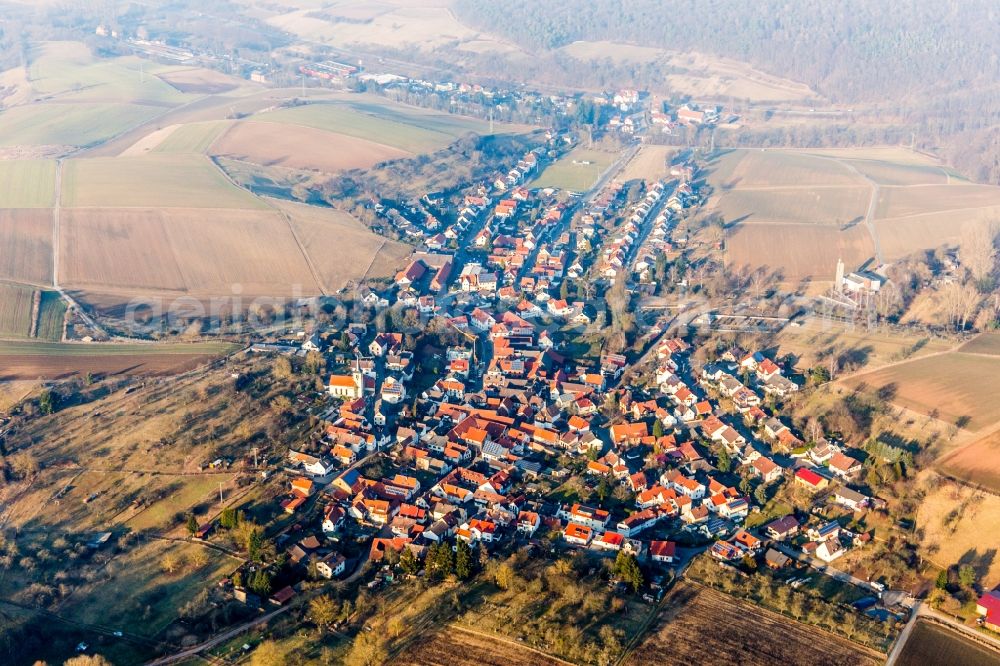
<point x="579" y="535"/>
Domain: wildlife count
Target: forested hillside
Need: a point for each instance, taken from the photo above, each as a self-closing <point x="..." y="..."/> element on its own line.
<point x="917" y="68"/>
<point x="849" y="49"/>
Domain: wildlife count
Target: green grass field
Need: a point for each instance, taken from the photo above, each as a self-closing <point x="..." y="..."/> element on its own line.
<point x="577" y="171"/>
<point x="27" y="183"/>
<point x="192" y="138"/>
<point x="51" y="314"/>
<point x="394" y="125"/>
<point x="68" y="71"/>
<point x="15" y="310"/>
<point x="154" y="181"/>
<point x="69" y="124"/>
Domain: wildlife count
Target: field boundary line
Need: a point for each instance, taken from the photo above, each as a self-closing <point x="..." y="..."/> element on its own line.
<point x="288" y="222"/>
<point x="502" y="639"/>
<point x="814" y="627"/>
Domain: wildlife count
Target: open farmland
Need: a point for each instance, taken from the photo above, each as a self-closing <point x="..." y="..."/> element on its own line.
<point x="341" y="248"/>
<point x="200" y="81"/>
<point x="688" y="631"/>
<point x="460" y="647"/>
<point x="932" y="643"/>
<point x="27" y="183"/>
<point x="69" y="72"/>
<point x="797" y="251"/>
<point x="838" y="206"/>
<point x="161" y="181"/>
<point x="747" y="169"/>
<point x="920" y="205"/>
<point x="364" y="117"/>
<point x="576" y="171"/>
<point x="978" y="462"/>
<point x="984" y="343"/>
<point x="69" y="124"/>
<point x="15" y="310"/>
<point x="649" y="164"/>
<point x="192" y="138"/>
<point x="31" y="360"/>
<point x="51" y="316"/>
<point x="299" y="147"/>
<point x="184" y="251"/>
<point x="948" y="386"/>
<point x="26" y="245"/>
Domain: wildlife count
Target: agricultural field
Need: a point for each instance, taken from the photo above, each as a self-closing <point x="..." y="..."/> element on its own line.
<point x="920" y="205"/>
<point x="155" y="181"/>
<point x="984" y="343"/>
<point x="798" y="252"/>
<point x="814" y="340"/>
<point x="341" y="248"/>
<point x="26" y="245"/>
<point x="300" y="147"/>
<point x="978" y="462"/>
<point x="51" y="316"/>
<point x="183" y="251"/>
<point x="747" y="169"/>
<point x="27" y="183"/>
<point x="931" y="643"/>
<point x="199" y="81"/>
<point x="946" y="386"/>
<point x="576" y="171"/>
<point x="61" y="125"/>
<point x="16" y="307"/>
<point x="456" y="646"/>
<point x="815" y="205"/>
<point x="952" y="519"/>
<point x="69" y="72"/>
<point x="192" y="138"/>
<point x="402" y="127"/>
<point x="31" y="360"/>
<point x="650" y="163"/>
<point x="689" y="631"/>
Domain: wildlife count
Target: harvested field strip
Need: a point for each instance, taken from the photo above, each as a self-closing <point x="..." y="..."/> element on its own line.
<point x="16" y="309"/>
<point x="948" y="386"/>
<point x="26" y="245"/>
<point x="456" y="646"/>
<point x="819" y="205"/>
<point x="407" y="129"/>
<point x="27" y="183"/>
<point x="153" y="180"/>
<point x="932" y="643"/>
<point x="984" y="343"/>
<point x="180" y="250"/>
<point x="978" y="463"/>
<point x="340" y="246"/>
<point x="193" y="138"/>
<point x="306" y="148"/>
<point x="688" y="632"/>
<point x="903" y="201"/>
<point x="902" y="236"/>
<point x="798" y="251"/>
<point x="737" y="169"/>
<point x="48" y="360"/>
